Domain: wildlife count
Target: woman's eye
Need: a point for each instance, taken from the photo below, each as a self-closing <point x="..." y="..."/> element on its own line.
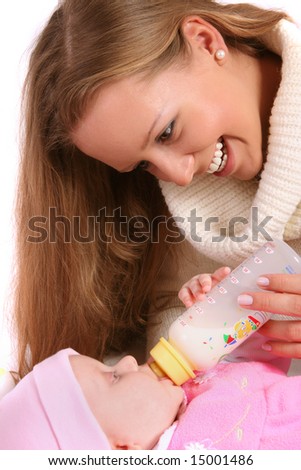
<point x="143" y="165"/>
<point x="167" y="133"/>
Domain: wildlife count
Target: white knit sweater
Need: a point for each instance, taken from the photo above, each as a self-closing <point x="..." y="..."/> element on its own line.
<point x="277" y="195"/>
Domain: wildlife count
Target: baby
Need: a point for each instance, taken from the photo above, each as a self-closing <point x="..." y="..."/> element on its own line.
<point x="73" y="402"/>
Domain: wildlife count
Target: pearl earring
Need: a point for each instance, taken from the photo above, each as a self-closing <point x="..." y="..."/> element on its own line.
<point x="220" y="54"/>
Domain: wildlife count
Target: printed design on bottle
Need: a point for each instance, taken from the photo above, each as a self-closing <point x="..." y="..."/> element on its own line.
<point x="269" y="248"/>
<point x="234" y="280"/>
<point x="288" y="269"/>
<point x="222" y="290"/>
<point x="242" y="329"/>
<point x="198" y="309"/>
<point x="245" y="270"/>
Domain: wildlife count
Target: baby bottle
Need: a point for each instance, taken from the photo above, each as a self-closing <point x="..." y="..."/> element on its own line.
<point x="210" y="329"/>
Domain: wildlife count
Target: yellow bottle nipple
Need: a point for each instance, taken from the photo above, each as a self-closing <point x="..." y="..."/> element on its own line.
<point x="168" y="361"/>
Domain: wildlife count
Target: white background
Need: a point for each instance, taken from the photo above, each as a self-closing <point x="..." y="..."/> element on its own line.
<point x="19" y="23"/>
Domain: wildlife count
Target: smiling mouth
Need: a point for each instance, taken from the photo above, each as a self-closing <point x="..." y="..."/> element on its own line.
<point x="220" y="157"/>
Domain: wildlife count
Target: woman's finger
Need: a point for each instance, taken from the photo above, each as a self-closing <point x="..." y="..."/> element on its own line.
<point x="289" y="283"/>
<point x="289" y="331"/>
<point x="284" y="338"/>
<point x="283" y="349"/>
<point x="281" y="295"/>
<point x="287" y="304"/>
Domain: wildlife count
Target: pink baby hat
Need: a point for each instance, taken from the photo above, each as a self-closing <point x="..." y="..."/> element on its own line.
<point x="48" y="411"/>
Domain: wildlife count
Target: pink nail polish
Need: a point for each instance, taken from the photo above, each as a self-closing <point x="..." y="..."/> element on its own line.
<point x="263" y="281"/>
<point x="245" y="299"/>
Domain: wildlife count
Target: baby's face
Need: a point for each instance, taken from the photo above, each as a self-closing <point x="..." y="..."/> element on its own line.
<point x="132" y="405"/>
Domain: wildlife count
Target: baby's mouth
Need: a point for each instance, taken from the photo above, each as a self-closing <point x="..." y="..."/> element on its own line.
<point x="220" y="157"/>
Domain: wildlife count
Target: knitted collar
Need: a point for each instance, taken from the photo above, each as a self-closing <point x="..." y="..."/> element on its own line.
<point x="210" y="208"/>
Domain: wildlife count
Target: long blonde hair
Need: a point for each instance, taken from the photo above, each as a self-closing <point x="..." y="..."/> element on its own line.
<point x="94" y="295"/>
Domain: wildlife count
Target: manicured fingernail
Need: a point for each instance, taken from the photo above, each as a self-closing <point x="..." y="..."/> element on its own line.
<point x="266" y="347"/>
<point x="263" y="281"/>
<point x="245" y="299"/>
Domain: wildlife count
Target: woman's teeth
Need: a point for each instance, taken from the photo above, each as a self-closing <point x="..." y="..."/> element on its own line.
<point x="220" y="157"/>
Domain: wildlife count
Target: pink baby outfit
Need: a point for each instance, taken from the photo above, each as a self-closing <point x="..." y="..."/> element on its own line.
<point x="47" y="410"/>
<point x="241" y="406"/>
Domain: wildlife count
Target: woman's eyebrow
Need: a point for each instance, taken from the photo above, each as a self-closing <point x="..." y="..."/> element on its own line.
<point x="144" y="145"/>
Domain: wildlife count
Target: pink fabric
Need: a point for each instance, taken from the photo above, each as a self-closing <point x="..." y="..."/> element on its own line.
<point x="241" y="406"/>
<point x="47" y="410"/>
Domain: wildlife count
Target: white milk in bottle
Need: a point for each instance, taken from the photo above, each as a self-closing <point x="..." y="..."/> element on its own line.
<point x="200" y="337"/>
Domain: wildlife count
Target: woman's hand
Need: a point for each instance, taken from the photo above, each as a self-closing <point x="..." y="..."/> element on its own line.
<point x="199" y="285"/>
<point x="282" y="296"/>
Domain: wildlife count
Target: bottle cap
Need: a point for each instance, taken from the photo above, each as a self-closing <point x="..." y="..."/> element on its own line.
<point x="168" y="361"/>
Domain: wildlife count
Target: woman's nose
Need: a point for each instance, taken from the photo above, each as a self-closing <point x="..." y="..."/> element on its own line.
<point x="177" y="169"/>
<point x="127" y="364"/>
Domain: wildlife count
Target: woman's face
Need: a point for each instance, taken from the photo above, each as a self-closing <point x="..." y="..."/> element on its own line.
<point x="171" y="125"/>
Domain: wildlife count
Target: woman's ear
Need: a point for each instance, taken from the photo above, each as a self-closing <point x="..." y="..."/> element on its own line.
<point x="202" y="35"/>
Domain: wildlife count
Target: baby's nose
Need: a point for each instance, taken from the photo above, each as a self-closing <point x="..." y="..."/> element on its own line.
<point x="128" y="363"/>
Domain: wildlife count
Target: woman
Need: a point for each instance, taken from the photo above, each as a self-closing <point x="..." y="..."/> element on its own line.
<point x="169" y="87"/>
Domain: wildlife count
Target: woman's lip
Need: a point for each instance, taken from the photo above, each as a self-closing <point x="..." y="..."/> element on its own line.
<point x="230" y="162"/>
